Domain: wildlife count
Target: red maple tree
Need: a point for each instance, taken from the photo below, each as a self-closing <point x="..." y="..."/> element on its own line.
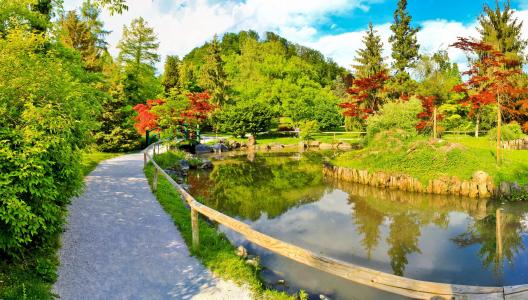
<point x="199" y="108"/>
<point x="428" y="114"/>
<point x="364" y="96"/>
<point x="492" y="81"/>
<point x="146" y="119"/>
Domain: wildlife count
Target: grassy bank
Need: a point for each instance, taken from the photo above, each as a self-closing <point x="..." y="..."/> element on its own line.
<point x="216" y="252"/>
<point x="454" y="156"/>
<point x="33" y="274"/>
<point x="287" y="139"/>
<point x="92" y="159"/>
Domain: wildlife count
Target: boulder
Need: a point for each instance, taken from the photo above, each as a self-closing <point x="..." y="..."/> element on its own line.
<point x="482" y="179"/>
<point x="183" y="165"/>
<point x="219" y="147"/>
<point x="344" y="146"/>
<point x="325" y="146"/>
<point x="241" y="252"/>
<point x="505" y="189"/>
<point x="473" y="190"/>
<point x="202" y="148"/>
<point x="206" y="164"/>
<point x="314" y="144"/>
<point x="464" y="189"/>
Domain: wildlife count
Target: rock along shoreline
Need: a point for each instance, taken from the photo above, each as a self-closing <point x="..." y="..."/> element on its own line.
<point x="479" y="186"/>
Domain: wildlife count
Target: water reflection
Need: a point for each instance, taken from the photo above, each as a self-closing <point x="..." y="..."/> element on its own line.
<point x="427" y="237"/>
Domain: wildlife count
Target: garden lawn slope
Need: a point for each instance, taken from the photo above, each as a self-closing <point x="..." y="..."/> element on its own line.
<point x="425" y="160"/>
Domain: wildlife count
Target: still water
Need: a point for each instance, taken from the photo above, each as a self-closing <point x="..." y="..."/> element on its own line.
<point x="427" y="237"/>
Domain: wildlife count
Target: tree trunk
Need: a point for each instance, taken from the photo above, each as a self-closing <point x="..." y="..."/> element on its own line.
<point x="434" y="123"/>
<point x="477" y="125"/>
<point x="499" y="123"/>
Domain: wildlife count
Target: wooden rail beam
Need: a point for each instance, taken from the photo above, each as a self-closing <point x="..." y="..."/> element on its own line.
<point x="412" y="288"/>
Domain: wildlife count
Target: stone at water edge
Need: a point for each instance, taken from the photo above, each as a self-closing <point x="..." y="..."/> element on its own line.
<point x="202" y="148"/>
<point x="241" y="252"/>
<point x="206" y="164"/>
<point x="220" y="147"/>
<point x="255" y="261"/>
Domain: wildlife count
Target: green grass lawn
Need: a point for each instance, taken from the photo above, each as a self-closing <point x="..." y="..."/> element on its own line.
<point x="459" y="156"/>
<point x="92" y="159"/>
<point x="216" y="252"/>
<point x="33" y="274"/>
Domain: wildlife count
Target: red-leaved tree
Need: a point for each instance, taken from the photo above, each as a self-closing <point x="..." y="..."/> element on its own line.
<point x="146" y="119"/>
<point x="492" y="81"/>
<point x="365" y="98"/>
<point x="429" y="116"/>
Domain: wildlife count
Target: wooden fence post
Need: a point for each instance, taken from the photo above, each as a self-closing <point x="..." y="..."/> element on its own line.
<point x="155" y="180"/>
<point x="144" y="159"/>
<point x="195" y="229"/>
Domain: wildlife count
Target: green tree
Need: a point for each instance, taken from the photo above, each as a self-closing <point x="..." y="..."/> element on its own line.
<point x="245" y="117"/>
<point x="370" y="59"/>
<point x="76" y="34"/>
<point x="171" y="73"/>
<point x="212" y="76"/>
<point x="138" y="44"/>
<point x="47" y="108"/>
<point x="404" y="43"/>
<point x="437" y="77"/>
<point x="499" y="28"/>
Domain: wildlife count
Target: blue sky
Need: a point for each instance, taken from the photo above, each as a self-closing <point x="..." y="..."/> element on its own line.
<point x="334" y="27"/>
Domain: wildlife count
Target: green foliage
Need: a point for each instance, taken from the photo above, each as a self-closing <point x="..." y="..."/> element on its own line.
<point x="216" y="252"/>
<point x="42" y="128"/>
<point x="245" y="117"/>
<point x="509" y="132"/>
<point x="395" y="115"/>
<point x="294" y="81"/>
<point x="92" y="158"/>
<point x="212" y="76"/>
<point x="170" y="79"/>
<point x="138" y="44"/>
<point x="308" y="129"/>
<point x="424" y="160"/>
<point x="499" y="28"/>
<point x="404" y="43"/>
<point x="370" y="59"/>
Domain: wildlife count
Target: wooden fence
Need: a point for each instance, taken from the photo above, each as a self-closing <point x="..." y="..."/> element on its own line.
<point x="407" y="287"/>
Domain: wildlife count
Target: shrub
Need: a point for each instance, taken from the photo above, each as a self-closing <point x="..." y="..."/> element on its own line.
<point x="308" y="129"/>
<point x="395" y="115"/>
<point x="509" y="132"/>
<point x="245" y="117"/>
<point x="43" y="128"/>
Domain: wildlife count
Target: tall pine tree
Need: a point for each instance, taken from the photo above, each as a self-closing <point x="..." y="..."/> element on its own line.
<point x="370" y="59"/>
<point x="501" y="30"/>
<point x="139" y="44"/>
<point x="212" y="75"/>
<point x="171" y="73"/>
<point x="404" y="44"/>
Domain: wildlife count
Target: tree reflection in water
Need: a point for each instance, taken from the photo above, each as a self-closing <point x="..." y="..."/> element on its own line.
<point x="269" y="185"/>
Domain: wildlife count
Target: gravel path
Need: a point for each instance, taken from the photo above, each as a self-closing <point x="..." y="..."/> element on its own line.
<point x="120" y="244"/>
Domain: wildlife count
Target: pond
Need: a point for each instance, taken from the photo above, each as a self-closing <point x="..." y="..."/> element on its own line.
<point x="427" y="237"/>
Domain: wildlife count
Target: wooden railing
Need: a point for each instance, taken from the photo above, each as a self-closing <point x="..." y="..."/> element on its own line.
<point x="411" y="288"/>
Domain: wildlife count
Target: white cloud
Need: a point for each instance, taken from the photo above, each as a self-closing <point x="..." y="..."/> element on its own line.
<point x="183" y="25"/>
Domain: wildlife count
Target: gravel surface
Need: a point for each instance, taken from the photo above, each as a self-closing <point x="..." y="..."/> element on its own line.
<point x="120" y="244"/>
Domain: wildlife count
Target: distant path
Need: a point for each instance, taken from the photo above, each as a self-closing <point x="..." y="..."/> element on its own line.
<point x="120" y="244"/>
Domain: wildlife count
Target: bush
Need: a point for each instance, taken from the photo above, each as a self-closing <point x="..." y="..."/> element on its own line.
<point x="395" y="115"/>
<point x="43" y="128"/>
<point x="308" y="129"/>
<point x="509" y="132"/>
<point x="245" y="117"/>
